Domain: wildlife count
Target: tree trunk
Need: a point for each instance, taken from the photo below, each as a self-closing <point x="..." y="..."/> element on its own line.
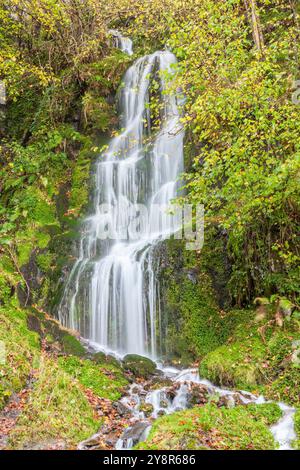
<point x="254" y="20"/>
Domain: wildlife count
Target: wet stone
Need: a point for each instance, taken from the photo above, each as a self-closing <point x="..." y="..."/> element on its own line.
<point x="198" y="394"/>
<point x="136" y="432"/>
<point x="147" y="409"/>
<point x="122" y="409"/>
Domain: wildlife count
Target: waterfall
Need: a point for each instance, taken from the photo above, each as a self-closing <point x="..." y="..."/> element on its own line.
<point x="112" y="293"/>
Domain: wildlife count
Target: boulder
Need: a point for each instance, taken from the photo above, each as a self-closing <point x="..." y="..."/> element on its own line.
<point x="139" y="366"/>
<point x="156" y="383"/>
<point x="286" y="307"/>
<point x="198" y="394"/>
<point x="171" y="392"/>
<point x="136" y="433"/>
<point x="227" y="400"/>
<point x="147" y="409"/>
<point x="102" y="358"/>
<point x="92" y="443"/>
<point x="122" y="409"/>
<point x="261" y="304"/>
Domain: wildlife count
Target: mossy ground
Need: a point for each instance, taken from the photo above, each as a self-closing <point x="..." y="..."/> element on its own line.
<point x="209" y="427"/>
<point x="106" y="381"/>
<point x="20" y="351"/>
<point x="57" y="407"/>
<point x="258" y="356"/>
<point x="297" y="429"/>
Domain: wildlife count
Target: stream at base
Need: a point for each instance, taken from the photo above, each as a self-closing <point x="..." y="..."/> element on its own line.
<point x="283" y="431"/>
<point x="173" y="390"/>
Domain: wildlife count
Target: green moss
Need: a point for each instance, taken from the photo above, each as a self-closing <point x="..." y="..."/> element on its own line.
<point x="56" y="409"/>
<point x="257" y="355"/>
<point x="297" y="428"/>
<point x="199" y="319"/>
<point x="235" y="365"/>
<point x="43" y="238"/>
<point x="25" y="248"/>
<point x="71" y="345"/>
<point x="191" y="316"/>
<point x="45" y="261"/>
<point x="269" y="413"/>
<point x="5" y="289"/>
<point x="101" y="358"/>
<point x="106" y="381"/>
<point x="194" y="290"/>
<point x="286" y="387"/>
<point x="139" y="365"/>
<point x="209" y="427"/>
<point x="80" y="179"/>
<point x="21" y="351"/>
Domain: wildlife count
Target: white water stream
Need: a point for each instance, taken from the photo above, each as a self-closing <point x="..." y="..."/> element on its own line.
<point x="283" y="431"/>
<point x="112" y="294"/>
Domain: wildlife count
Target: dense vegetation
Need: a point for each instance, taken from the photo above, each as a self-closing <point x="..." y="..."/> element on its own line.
<point x="235" y="305"/>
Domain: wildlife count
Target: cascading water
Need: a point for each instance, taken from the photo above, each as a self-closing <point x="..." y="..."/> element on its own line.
<point x="283" y="431"/>
<point x="111" y="295"/>
<point x="124" y="44"/>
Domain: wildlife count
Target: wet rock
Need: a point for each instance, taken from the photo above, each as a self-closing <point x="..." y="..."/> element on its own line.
<point x="122" y="410"/>
<point x="238" y="399"/>
<point x="246" y="396"/>
<point x="179" y="363"/>
<point x="164" y="403"/>
<point x="198" y="394"/>
<point x="139" y="366"/>
<point x="171" y="392"/>
<point x="136" y="432"/>
<point x="92" y="443"/>
<point x="102" y="358"/>
<point x="157" y="383"/>
<point x="227" y="400"/>
<point x="147" y="409"/>
<point x="136" y="389"/>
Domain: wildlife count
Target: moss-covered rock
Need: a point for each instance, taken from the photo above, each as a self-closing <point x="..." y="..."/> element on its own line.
<point x="286" y="386"/>
<point x="147" y="409"/>
<point x="235" y="365"/>
<point x="209" y="427"/>
<point x="192" y="321"/>
<point x="138" y="365"/>
<point x="48" y="327"/>
<point x="102" y="358"/>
